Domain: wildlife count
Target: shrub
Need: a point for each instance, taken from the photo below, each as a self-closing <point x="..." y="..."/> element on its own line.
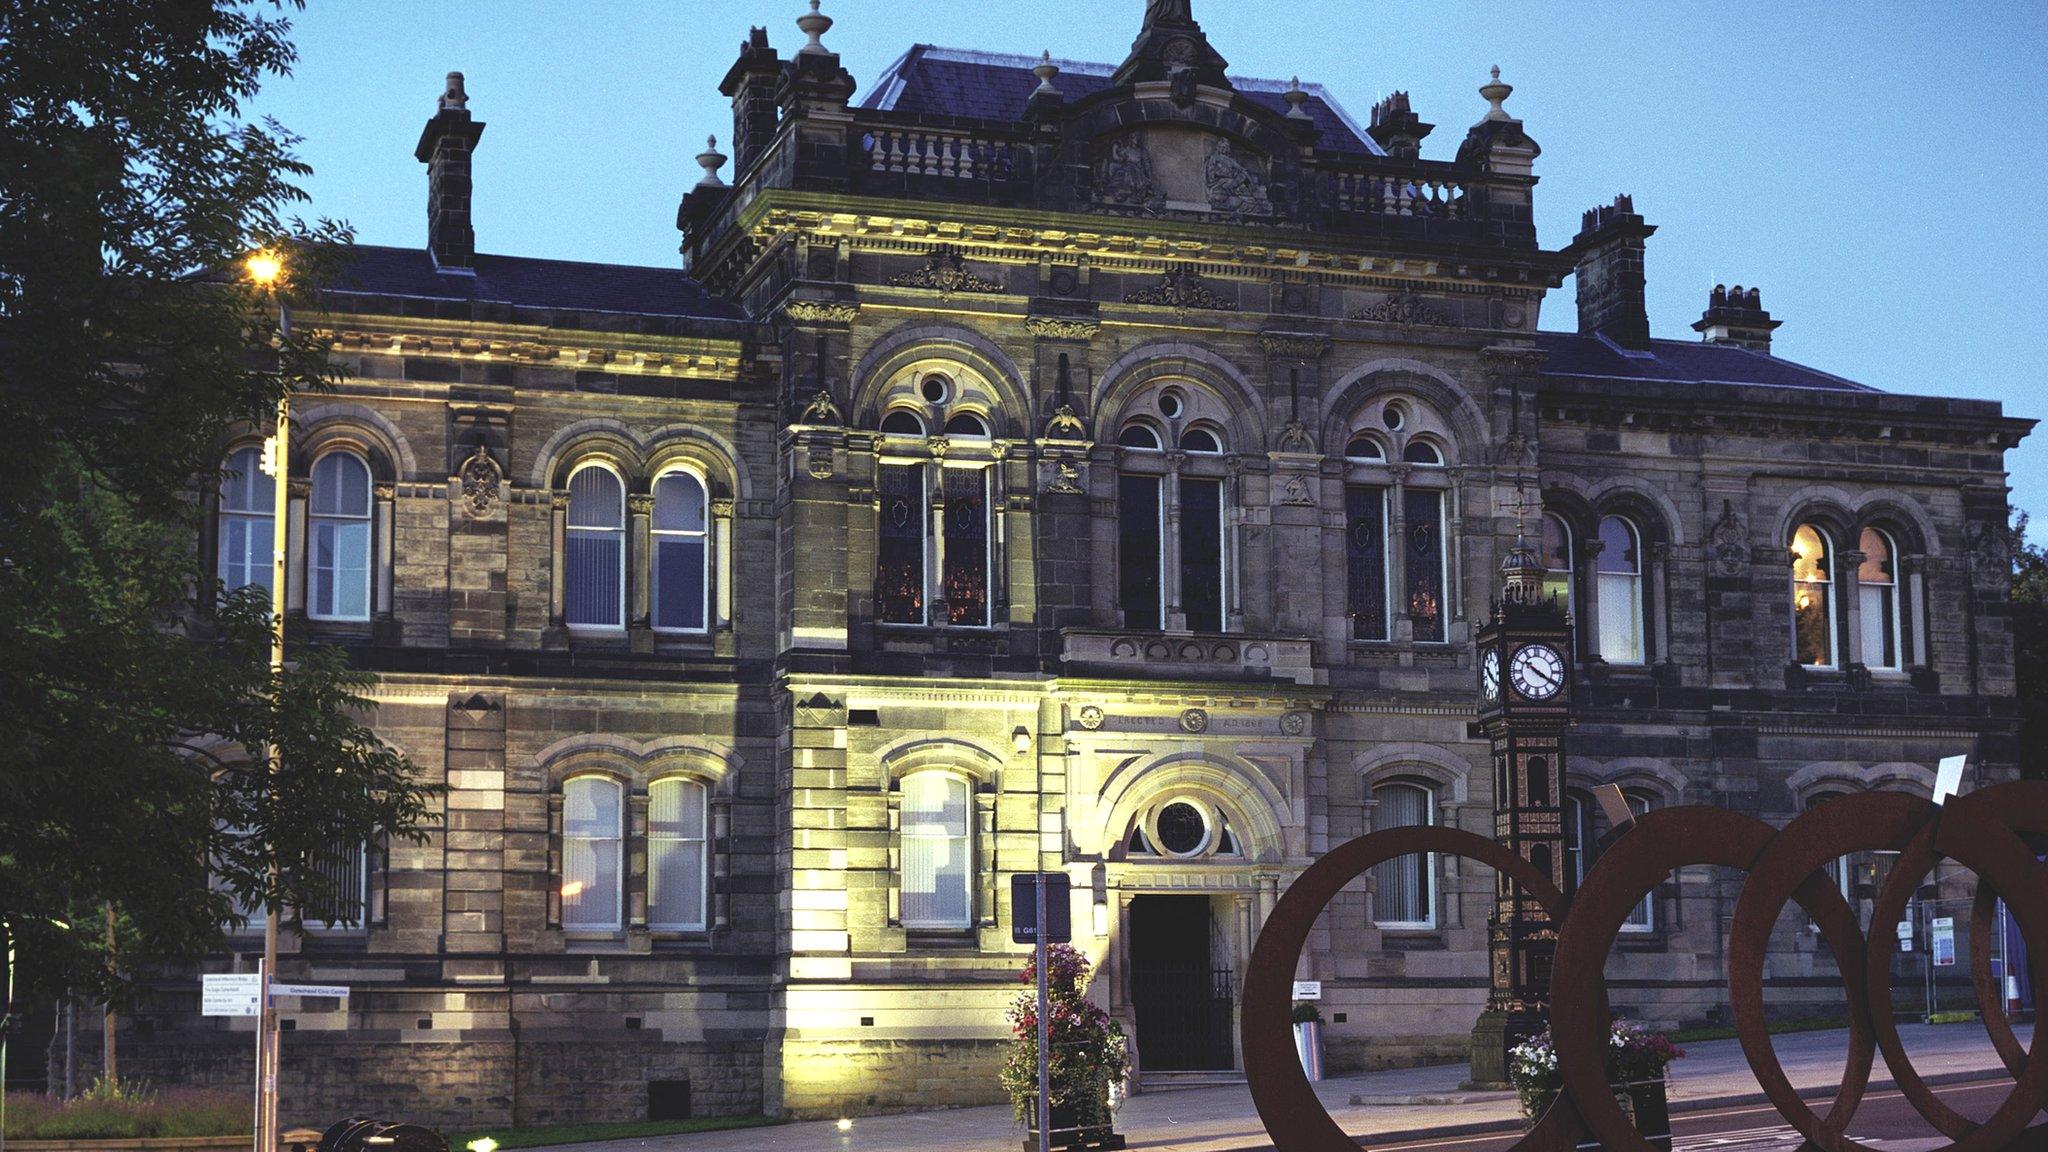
<point x="130" y="1110"/>
<point x="1634" y="1053"/>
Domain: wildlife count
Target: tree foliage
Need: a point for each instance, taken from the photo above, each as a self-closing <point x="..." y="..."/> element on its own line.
<point x="2030" y="645"/>
<point x="134" y="690"/>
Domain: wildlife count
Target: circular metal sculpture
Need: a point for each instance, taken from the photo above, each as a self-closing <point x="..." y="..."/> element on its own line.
<point x="1982" y="831"/>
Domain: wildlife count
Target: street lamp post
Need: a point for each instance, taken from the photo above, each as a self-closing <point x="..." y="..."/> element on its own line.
<point x="265" y="269"/>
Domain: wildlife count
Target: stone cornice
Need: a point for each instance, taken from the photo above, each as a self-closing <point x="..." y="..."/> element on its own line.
<point x="686" y="356"/>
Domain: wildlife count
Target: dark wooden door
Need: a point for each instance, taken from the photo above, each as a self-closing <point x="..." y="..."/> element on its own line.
<point x="1182" y="996"/>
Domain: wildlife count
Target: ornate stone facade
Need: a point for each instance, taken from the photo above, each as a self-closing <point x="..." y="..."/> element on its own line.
<point x="1171" y="599"/>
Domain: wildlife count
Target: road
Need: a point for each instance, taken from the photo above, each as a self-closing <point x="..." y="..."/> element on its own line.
<point x="1884" y="1121"/>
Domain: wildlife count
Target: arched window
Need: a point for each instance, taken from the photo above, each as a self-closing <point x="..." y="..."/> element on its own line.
<point x="248" y="509"/>
<point x="338" y="551"/>
<point x="1201" y="440"/>
<point x="1365" y="448"/>
<point x="902" y="422"/>
<point x="1427" y="563"/>
<point x="1404" y="888"/>
<point x="1141" y="553"/>
<point x="1182" y="828"/>
<point x="1877" y="601"/>
<point x="1555" y="548"/>
<point x="1813" y="587"/>
<point x="1620" y="591"/>
<point x="677" y="855"/>
<point x="1366" y="560"/>
<point x="1642" y="917"/>
<point x="1422" y="452"/>
<point x="937" y="852"/>
<point x="593" y="854"/>
<point x="966" y="424"/>
<point x="596" y="546"/>
<point x="900" y="529"/>
<point x="682" y="554"/>
<point x="1139" y="436"/>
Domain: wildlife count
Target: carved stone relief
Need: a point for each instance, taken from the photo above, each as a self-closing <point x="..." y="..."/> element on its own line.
<point x="1730" y="543"/>
<point x="481" y="477"/>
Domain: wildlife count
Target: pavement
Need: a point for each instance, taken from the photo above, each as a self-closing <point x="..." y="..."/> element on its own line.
<point x="1390" y="1106"/>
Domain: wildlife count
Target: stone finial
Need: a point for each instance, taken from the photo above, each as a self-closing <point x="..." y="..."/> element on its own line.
<point x="454" y="97"/>
<point x="1496" y="94"/>
<point x="711" y="160"/>
<point x="814" y="24"/>
<point x="1045" y="70"/>
<point x="1295" y="98"/>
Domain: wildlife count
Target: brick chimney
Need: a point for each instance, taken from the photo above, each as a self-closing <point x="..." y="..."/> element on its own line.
<point x="1736" y="316"/>
<point x="1609" y="253"/>
<point x="1396" y="127"/>
<point x="750" y="84"/>
<point x="445" y="147"/>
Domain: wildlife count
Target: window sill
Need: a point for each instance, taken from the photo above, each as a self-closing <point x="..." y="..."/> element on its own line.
<point x="940" y="939"/>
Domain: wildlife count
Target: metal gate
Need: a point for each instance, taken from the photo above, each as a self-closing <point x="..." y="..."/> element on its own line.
<point x="1184" y="1017"/>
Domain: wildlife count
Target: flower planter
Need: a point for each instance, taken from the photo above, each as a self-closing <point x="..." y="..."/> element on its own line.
<point x="1647" y="1105"/>
<point x="1071" y="1136"/>
<point x="1308" y="1044"/>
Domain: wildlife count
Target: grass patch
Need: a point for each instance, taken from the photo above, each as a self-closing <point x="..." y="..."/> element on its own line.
<point x="1964" y="1017"/>
<point x="543" y="1135"/>
<point x="128" y="1112"/>
<point x="1775" y="1028"/>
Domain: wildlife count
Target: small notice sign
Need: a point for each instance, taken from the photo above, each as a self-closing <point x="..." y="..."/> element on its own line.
<point x="337" y="991"/>
<point x="1941" y="941"/>
<point x="1059" y="914"/>
<point x="230" y="994"/>
<point x="1905" y="931"/>
<point x="1308" y="989"/>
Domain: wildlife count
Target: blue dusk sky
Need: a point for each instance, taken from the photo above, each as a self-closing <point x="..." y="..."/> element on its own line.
<point x="1876" y="168"/>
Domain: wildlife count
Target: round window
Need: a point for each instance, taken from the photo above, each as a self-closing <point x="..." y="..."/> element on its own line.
<point x="1183" y="828"/>
<point x="1171" y="404"/>
<point x="936" y="389"/>
<point x="1395" y="415"/>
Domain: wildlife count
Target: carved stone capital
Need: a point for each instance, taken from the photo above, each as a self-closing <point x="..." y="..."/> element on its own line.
<point x="1061" y="327"/>
<point x="298" y="488"/>
<point x="1296" y="345"/>
<point x="820" y="312"/>
<point x="559" y="500"/>
<point x="384" y="492"/>
<point x="721" y="508"/>
<point x="640" y="503"/>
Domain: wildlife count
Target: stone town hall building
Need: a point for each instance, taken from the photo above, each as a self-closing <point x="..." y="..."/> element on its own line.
<point x="1037" y="462"/>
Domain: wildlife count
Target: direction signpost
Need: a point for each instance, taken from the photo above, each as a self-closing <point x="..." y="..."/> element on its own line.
<point x="231" y="994"/>
<point x="1042" y="899"/>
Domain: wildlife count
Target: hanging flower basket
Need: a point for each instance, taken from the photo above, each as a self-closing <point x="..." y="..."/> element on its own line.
<point x="1637" y="1059"/>
<point x="1089" y="1057"/>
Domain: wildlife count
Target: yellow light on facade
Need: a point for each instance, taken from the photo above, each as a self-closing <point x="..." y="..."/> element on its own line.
<point x="845" y="1125"/>
<point x="264" y="267"/>
<point x="1021" y="740"/>
<point x="572" y="888"/>
<point x="482" y="1144"/>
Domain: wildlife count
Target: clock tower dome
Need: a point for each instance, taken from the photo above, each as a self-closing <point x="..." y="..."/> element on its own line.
<point x="1525" y="709"/>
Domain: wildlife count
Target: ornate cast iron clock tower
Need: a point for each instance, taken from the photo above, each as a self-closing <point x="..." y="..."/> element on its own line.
<point x="1525" y="708"/>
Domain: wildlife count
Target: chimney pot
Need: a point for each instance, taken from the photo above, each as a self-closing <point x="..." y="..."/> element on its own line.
<point x="1609" y="253"/>
<point x="1736" y="316"/>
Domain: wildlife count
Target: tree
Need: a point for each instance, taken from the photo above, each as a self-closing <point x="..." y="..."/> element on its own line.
<point x="133" y="688"/>
<point x="2030" y="646"/>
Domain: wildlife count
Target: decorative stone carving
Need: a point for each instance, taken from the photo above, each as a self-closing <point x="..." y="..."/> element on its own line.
<point x="480" y="477"/>
<point x="1194" y="720"/>
<point x="1061" y="327"/>
<point x="1065" y="425"/>
<point x="1180" y="289"/>
<point x="1990" y="556"/>
<point x="640" y="503"/>
<point x="1729" y="541"/>
<point x="1296" y="438"/>
<point x="1300" y="345"/>
<point x="722" y="507"/>
<point x="946" y="272"/>
<point x="1089" y="717"/>
<point x="558" y="501"/>
<point x="1125" y="175"/>
<point x="821" y="410"/>
<point x="1294" y="723"/>
<point x="820" y="312"/>
<point x="820" y="463"/>
<point x="1065" y="478"/>
<point x="1232" y="186"/>
<point x="1296" y="491"/>
<point x="1404" y="308"/>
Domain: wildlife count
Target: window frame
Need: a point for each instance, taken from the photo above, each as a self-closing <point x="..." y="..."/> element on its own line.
<point x="1641" y="919"/>
<point x="702" y="841"/>
<point x="621" y="827"/>
<point x="1443" y="561"/>
<point x="965" y="839"/>
<point x="1831" y="585"/>
<point x="316" y="520"/>
<point x="1632" y="580"/>
<point x="1427" y="871"/>
<point x="224" y="514"/>
<point x="1569" y="572"/>
<point x="657" y="535"/>
<point x="1386" y="607"/>
<point x="571" y="530"/>
<point x="1892" y="620"/>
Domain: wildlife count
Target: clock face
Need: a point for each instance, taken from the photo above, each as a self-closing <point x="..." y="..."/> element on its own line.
<point x="1489" y="674"/>
<point x="1537" y="671"/>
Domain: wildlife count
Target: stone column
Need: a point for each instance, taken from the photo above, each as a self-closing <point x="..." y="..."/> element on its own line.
<point x="1913" y="570"/>
<point x="721" y="564"/>
<point x="1169" y="543"/>
<point x="935" y="610"/>
<point x="635" y="879"/>
<point x="1589" y="580"/>
<point x="1659" y="596"/>
<point x="1234" y="510"/>
<point x="558" y="558"/>
<point x="639" y="571"/>
<point x="1400" y="627"/>
<point x="1849" y="612"/>
<point x="298" y="489"/>
<point x="383" y="525"/>
<point x="1453" y="607"/>
<point x="1105" y="591"/>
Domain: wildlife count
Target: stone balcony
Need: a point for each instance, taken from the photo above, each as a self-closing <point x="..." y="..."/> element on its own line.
<point x="1189" y="656"/>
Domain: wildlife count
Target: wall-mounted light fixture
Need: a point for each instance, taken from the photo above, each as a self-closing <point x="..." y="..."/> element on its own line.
<point x="1021" y="740"/>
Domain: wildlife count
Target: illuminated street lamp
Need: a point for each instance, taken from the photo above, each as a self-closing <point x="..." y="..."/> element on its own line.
<point x="266" y="270"/>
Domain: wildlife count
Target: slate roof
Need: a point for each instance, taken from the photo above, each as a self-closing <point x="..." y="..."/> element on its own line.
<point x="997" y="86"/>
<point x="1681" y="362"/>
<point x="525" y="282"/>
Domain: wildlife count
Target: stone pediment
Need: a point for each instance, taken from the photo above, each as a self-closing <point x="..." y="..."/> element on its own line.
<point x="1177" y="167"/>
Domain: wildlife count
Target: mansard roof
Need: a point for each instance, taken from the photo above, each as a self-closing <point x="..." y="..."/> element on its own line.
<point x="518" y="283"/>
<point x="933" y="81"/>
<point x="1681" y="362"/>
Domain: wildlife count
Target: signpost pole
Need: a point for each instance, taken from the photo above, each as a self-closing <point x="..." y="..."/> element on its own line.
<point x="1044" y="1024"/>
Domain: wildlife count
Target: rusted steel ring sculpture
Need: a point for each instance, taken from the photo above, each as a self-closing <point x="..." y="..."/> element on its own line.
<point x="1981" y="831"/>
